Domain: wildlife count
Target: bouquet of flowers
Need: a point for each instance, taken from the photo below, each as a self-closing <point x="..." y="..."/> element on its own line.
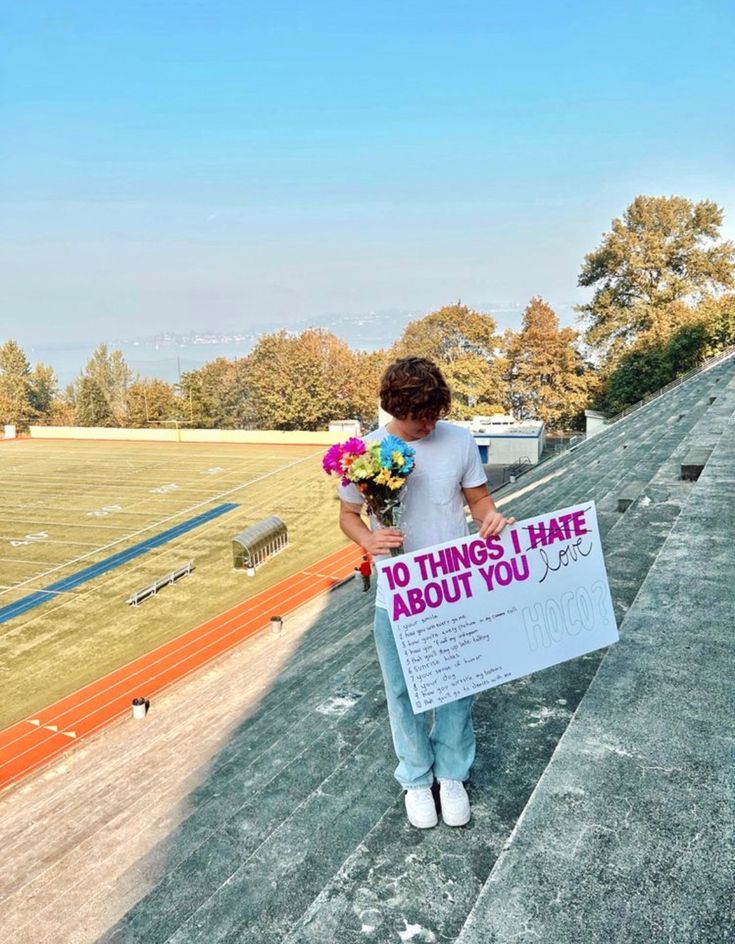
<point x="378" y="469"/>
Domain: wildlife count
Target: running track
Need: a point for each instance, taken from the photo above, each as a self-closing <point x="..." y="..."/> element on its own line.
<point x="36" y="740"/>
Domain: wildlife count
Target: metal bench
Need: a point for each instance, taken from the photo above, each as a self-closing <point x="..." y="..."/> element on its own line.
<point x="152" y="589"/>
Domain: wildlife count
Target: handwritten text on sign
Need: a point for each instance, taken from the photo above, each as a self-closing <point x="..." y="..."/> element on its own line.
<point x="474" y="613"/>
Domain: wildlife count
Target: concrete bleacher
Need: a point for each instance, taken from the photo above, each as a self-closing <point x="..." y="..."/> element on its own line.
<point x="599" y="790"/>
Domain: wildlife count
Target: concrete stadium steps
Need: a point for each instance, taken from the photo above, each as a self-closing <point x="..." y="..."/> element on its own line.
<point x="524" y="722"/>
<point x="293" y="857"/>
<point x="627" y="835"/>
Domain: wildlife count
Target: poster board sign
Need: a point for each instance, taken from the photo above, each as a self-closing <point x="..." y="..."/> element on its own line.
<point x="474" y="613"/>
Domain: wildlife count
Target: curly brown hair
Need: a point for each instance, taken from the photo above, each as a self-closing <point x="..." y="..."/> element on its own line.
<point x="415" y="387"/>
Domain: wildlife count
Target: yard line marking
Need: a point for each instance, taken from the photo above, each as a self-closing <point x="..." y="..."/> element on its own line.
<point x="24" y="560"/>
<point x="54" y="541"/>
<point x="178" y="514"/>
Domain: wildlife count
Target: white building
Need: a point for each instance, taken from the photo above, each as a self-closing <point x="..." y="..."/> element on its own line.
<point x="503" y="440"/>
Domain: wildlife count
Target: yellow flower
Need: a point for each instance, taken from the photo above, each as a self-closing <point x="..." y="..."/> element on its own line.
<point x="395" y="482"/>
<point x="398" y="459"/>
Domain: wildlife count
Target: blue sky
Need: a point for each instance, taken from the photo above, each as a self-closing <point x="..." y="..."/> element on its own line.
<point x="175" y="165"/>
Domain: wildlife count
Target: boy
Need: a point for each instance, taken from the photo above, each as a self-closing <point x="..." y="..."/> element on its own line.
<point x="366" y="569"/>
<point x="448" y="475"/>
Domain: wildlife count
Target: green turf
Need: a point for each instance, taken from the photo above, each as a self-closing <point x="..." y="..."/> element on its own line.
<point x="70" y="489"/>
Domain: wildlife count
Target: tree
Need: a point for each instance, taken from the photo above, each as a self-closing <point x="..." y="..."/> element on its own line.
<point x="718" y="317"/>
<point x="218" y="395"/>
<point x="368" y="368"/>
<point x="44" y="388"/>
<point x="109" y="370"/>
<point x="303" y="381"/>
<point x="477" y="386"/>
<point x="658" y="358"/>
<point x="92" y="406"/>
<point x="16" y="402"/>
<point x="150" y="401"/>
<point x="665" y="250"/>
<point x="448" y="334"/>
<point x="548" y="379"/>
<point x="464" y="343"/>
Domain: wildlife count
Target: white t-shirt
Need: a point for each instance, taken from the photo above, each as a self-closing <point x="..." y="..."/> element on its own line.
<point x="432" y="506"/>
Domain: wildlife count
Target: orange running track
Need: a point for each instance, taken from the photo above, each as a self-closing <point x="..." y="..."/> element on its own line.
<point x="35" y="740"/>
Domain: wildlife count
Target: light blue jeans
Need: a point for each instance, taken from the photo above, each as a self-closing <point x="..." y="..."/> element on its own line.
<point x="447" y="750"/>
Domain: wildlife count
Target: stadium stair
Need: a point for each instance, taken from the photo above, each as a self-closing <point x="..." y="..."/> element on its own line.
<point x="595" y="783"/>
<point x="305" y="858"/>
<point x="627" y="836"/>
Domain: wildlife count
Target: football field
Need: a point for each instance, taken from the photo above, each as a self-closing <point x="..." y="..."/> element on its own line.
<point x="71" y="509"/>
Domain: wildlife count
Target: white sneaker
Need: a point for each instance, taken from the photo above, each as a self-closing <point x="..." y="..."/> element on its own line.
<point x="454" y="802"/>
<point x="420" y="808"/>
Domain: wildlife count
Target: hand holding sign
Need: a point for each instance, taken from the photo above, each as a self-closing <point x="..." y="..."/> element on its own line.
<point x="480" y="611"/>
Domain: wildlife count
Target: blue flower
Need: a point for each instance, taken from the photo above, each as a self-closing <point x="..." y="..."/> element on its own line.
<point x="396" y="454"/>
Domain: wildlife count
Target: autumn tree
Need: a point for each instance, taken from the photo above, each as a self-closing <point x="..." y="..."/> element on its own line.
<point x="303" y="381"/>
<point x="717" y="316"/>
<point x="547" y="377"/>
<point x="465" y="344"/>
<point x="663" y="255"/>
<point x="218" y="395"/>
<point x="149" y="400"/>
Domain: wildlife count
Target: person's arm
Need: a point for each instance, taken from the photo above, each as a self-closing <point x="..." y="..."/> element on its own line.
<point x="483" y="510"/>
<point x="374" y="542"/>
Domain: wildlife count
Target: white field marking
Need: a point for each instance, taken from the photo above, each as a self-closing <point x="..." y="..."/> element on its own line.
<point x="163" y="489"/>
<point x="59" y="475"/>
<point x="194" y="484"/>
<point x="33" y="538"/>
<point x="178" y="514"/>
<point x="104" y="511"/>
<point x="83" y="543"/>
<point x="145" y="502"/>
<point x="24" y="560"/>
<point x="93" y="527"/>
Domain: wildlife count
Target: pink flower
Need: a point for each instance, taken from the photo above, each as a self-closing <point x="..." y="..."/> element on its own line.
<point x="332" y="461"/>
<point x="340" y="456"/>
<point x="354" y="446"/>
